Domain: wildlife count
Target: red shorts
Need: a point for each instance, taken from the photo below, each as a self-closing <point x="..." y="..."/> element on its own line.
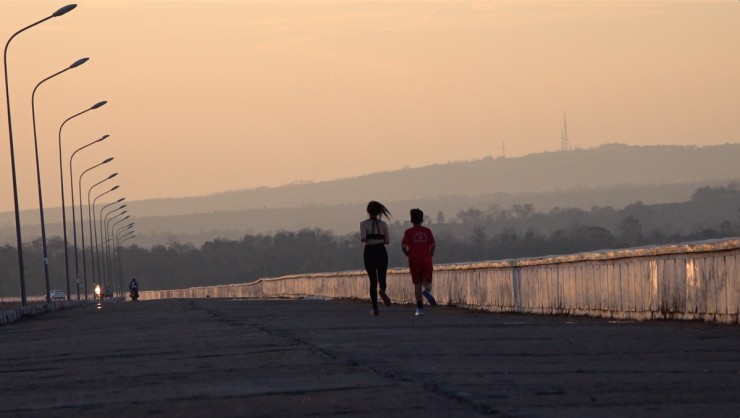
<point x="421" y="272"/>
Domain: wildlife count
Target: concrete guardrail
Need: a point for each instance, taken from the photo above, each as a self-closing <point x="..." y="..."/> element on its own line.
<point x="11" y="315"/>
<point x="691" y="281"/>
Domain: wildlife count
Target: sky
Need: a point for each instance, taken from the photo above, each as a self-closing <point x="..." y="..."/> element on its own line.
<point x="211" y="96"/>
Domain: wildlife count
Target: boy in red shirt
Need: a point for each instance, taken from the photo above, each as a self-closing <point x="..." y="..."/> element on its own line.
<point x="418" y="245"/>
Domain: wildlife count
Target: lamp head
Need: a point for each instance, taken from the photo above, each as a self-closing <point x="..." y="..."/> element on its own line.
<point x="64" y="10"/>
<point x="112" y="175"/>
<point x="79" y="62"/>
<point x="103" y="137"/>
<point x="113" y="188"/>
<point x="98" y="104"/>
<point x="120" y="200"/>
<point x="107" y="160"/>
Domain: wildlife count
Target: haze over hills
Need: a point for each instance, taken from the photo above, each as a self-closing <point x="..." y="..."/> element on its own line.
<point x="610" y="175"/>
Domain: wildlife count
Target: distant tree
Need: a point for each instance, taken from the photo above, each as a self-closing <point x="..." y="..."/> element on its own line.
<point x="469" y="216"/>
<point x="441" y="217"/>
<point x="523" y="211"/>
<point x="479" y="240"/>
<point x="631" y="230"/>
<point x="726" y="229"/>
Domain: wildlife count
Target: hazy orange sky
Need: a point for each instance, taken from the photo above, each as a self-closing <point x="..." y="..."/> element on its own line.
<point x="209" y="96"/>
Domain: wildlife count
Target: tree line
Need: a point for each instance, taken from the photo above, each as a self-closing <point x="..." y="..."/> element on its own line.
<point x="471" y="235"/>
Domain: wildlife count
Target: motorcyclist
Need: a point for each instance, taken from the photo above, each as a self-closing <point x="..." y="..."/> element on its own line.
<point x="134" y="288"/>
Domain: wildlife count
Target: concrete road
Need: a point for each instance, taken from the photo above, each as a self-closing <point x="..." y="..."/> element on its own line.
<point x="277" y="358"/>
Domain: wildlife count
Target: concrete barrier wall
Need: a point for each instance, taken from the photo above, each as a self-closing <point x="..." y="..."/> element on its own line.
<point x="693" y="281"/>
<point x="11" y="315"/>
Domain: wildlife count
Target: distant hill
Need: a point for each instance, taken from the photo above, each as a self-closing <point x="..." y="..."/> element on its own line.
<point x="603" y="167"/>
<point x="610" y="175"/>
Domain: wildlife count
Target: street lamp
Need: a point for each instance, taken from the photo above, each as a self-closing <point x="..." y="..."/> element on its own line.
<point x="107" y="222"/>
<point x="117" y="239"/>
<point x="109" y="268"/>
<point x="61" y="182"/>
<point x="91" y="221"/>
<point x="21" y="268"/>
<point x="120" y="266"/>
<point x="98" y="247"/>
<point x="74" y="222"/>
<point x="82" y="228"/>
<point x="124" y="237"/>
<point x="101" y="222"/>
<point x="38" y="174"/>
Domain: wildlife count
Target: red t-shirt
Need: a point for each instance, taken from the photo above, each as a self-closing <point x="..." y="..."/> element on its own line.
<point x="419" y="240"/>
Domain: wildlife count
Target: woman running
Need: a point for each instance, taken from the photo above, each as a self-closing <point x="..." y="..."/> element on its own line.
<point x="374" y="233"/>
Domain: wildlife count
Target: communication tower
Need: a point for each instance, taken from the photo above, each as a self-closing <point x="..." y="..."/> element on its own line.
<point x="564" y="142"/>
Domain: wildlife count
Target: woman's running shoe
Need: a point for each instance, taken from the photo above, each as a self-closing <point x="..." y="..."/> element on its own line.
<point x="386" y="299"/>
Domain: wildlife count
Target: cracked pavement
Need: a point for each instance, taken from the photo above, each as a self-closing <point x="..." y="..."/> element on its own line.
<point x="237" y="358"/>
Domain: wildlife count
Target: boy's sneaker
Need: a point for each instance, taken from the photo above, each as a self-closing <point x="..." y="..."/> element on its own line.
<point x="374" y="312"/>
<point x="428" y="295"/>
<point x="419" y="311"/>
<point x="386" y="299"/>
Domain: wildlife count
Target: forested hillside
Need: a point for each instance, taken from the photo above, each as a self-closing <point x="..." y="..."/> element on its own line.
<point x="611" y="175"/>
<point x="474" y="234"/>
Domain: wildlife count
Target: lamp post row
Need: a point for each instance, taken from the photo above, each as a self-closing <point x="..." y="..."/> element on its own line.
<point x="82" y="223"/>
<point x="19" y="240"/>
<point x="74" y="217"/>
<point x="38" y="172"/>
<point x="21" y="266"/>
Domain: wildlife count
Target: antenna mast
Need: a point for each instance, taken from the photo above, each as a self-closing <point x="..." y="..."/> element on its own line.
<point x="564" y="142"/>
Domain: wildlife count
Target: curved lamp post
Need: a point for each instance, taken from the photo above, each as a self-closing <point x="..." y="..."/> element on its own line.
<point x="21" y="268"/>
<point x="125" y="237"/>
<point x="99" y="246"/>
<point x="109" y="239"/>
<point x="38" y="174"/>
<point x="82" y="229"/>
<point x="117" y="239"/>
<point x="61" y="182"/>
<point x="102" y="243"/>
<point x="91" y="221"/>
<point x="117" y="242"/>
<point x="74" y="222"/>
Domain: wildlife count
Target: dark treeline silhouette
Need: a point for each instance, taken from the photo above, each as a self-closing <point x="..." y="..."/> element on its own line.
<point x="471" y="235"/>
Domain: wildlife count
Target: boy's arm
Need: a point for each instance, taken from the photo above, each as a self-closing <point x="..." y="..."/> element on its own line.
<point x="405" y="244"/>
<point x="432" y="242"/>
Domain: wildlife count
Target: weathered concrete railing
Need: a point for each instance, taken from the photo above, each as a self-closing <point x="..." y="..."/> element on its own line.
<point x="693" y="281"/>
<point x="14" y="314"/>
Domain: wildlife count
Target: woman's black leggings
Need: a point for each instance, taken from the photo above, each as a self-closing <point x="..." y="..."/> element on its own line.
<point x="376" y="264"/>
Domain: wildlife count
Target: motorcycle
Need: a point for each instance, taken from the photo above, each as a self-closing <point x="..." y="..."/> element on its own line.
<point x="134" y="294"/>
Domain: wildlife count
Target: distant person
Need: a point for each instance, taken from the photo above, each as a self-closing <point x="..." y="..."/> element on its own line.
<point x="418" y="244"/>
<point x="374" y="233"/>
<point x="133" y="287"/>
